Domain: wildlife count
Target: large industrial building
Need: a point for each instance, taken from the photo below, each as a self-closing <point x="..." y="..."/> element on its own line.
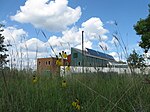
<point x="87" y="58"/>
<point x="91" y="58"/>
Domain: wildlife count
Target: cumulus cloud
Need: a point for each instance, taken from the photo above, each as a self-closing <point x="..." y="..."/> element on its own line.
<point x="87" y="44"/>
<point x="94" y="27"/>
<point x="50" y="15"/>
<point x="33" y="45"/>
<point x="73" y="35"/>
<point x="54" y="41"/>
<point x="13" y="35"/>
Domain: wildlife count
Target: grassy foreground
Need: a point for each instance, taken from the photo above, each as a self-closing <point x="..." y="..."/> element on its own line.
<point x="103" y="92"/>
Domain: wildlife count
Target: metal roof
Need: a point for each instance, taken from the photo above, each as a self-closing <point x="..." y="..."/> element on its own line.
<point x="93" y="53"/>
<point x="99" y="54"/>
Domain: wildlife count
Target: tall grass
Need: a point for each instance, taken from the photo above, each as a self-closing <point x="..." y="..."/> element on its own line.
<point x="103" y="92"/>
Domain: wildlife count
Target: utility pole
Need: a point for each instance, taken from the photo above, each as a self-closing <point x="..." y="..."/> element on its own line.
<point x="82" y="52"/>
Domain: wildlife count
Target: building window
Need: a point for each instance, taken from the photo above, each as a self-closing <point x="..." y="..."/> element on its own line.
<point x="39" y="62"/>
<point x="46" y="62"/>
<point x="49" y="62"/>
<point x="75" y="55"/>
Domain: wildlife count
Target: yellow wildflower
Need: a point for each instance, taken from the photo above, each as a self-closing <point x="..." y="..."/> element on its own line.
<point x="68" y="68"/>
<point x="64" y="55"/>
<point x="64" y="84"/>
<point x="58" y="62"/>
<point x="76" y="104"/>
<point x="34" y="80"/>
<point x="78" y="107"/>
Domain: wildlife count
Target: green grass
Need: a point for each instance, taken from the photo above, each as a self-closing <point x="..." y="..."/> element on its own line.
<point x="103" y="92"/>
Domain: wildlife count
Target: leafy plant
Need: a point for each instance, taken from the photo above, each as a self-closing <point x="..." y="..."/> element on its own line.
<point x="142" y="28"/>
<point x="136" y="61"/>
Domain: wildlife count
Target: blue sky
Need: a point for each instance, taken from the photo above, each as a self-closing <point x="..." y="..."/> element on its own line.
<point x="63" y="20"/>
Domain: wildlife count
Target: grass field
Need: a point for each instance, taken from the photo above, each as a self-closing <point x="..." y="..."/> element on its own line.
<point x="101" y="92"/>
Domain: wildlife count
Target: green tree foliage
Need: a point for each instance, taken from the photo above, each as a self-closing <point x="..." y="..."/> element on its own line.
<point x="142" y="28"/>
<point x="3" y="48"/>
<point x="136" y="61"/>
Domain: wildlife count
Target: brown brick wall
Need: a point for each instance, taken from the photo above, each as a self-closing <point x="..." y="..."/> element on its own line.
<point x="44" y="64"/>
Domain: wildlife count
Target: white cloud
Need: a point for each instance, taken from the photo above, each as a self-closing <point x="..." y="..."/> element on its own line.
<point x="18" y="52"/>
<point x="87" y="44"/>
<point x="94" y="27"/>
<point x="51" y="15"/>
<point x="33" y="45"/>
<point x="73" y="36"/>
<point x="13" y="35"/>
<point x="115" y="55"/>
<point x="54" y="41"/>
<point x="103" y="38"/>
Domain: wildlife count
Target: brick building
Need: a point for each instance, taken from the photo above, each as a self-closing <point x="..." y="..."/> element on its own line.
<point x="49" y="64"/>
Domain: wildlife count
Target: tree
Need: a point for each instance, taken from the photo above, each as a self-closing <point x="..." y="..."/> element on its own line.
<point x="136" y="61"/>
<point x="142" y="28"/>
<point x="3" y="48"/>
